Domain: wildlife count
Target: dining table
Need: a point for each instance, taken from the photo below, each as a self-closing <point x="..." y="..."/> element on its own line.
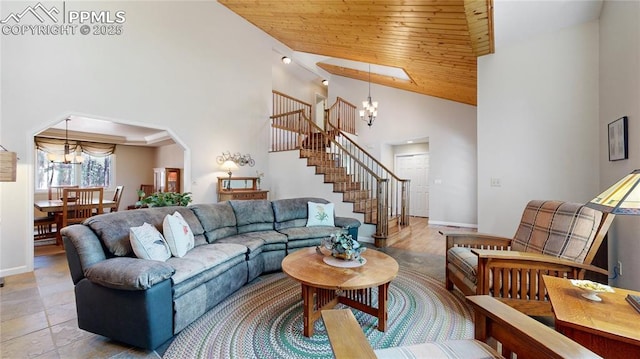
<point x="55" y="206"/>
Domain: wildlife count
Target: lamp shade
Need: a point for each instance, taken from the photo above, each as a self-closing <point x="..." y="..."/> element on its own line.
<point x="621" y="198"/>
<point x="229" y="165"/>
<point x="8" y="166"/>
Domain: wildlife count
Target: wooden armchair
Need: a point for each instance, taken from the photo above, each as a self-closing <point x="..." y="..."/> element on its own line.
<point x="519" y="336"/>
<point x="554" y="238"/>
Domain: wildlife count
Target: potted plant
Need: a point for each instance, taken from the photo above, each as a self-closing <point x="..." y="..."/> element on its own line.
<point x="343" y="246"/>
<point x="163" y="199"/>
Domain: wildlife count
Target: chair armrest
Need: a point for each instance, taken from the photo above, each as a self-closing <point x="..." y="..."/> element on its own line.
<point x="475" y="240"/>
<point x="519" y="333"/>
<point x="538" y="258"/>
<point x="345" y="335"/>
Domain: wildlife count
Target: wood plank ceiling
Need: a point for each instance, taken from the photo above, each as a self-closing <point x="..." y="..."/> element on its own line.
<point x="436" y="42"/>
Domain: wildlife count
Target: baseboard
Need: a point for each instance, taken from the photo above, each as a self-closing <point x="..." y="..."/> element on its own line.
<point x="453" y="224"/>
<point x="13" y="271"/>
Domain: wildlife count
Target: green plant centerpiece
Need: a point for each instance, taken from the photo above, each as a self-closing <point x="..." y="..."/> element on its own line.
<point x="343" y="246"/>
<point x="163" y="199"/>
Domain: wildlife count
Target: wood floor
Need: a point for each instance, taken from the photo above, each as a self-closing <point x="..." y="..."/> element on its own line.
<point x="420" y="237"/>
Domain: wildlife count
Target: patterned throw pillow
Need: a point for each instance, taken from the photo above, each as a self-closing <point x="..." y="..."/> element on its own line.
<point x="320" y="214"/>
<point x="177" y="233"/>
<point x="147" y="243"/>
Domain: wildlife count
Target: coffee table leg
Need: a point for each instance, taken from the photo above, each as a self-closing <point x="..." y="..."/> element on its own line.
<point x="307" y="309"/>
<point x="382" y="306"/>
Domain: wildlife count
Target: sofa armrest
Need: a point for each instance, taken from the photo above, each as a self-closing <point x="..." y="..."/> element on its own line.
<point x="127" y="273"/>
<point x="346" y="222"/>
<point x="83" y="249"/>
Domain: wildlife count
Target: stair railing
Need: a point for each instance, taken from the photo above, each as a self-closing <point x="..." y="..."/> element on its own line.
<point x="370" y="192"/>
<point x="378" y="188"/>
<point x="342" y="115"/>
<point x="398" y="194"/>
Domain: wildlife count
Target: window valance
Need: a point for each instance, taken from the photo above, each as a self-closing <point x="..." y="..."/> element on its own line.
<point x="56" y="145"/>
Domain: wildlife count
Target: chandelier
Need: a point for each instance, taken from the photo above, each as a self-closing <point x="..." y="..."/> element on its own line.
<point x="68" y="157"/>
<point x="369" y="108"/>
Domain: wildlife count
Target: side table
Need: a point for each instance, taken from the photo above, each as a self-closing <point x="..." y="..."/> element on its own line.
<point x="610" y="328"/>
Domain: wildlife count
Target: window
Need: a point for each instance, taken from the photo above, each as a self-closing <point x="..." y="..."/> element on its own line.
<point x="95" y="171"/>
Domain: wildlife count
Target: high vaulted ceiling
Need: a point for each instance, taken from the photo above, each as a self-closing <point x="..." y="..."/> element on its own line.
<point x="436" y="42"/>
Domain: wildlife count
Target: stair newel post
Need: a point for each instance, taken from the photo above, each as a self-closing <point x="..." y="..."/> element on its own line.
<point x="382" y="200"/>
<point x="404" y="204"/>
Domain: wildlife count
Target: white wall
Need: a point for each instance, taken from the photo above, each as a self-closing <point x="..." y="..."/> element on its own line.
<point x="451" y="129"/>
<point x="619" y="96"/>
<point x="134" y="166"/>
<point x="296" y="81"/>
<point x="537" y="125"/>
<point x="193" y="67"/>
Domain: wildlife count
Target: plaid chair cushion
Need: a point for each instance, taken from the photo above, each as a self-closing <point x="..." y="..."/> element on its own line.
<point x="464" y="262"/>
<point x="560" y="229"/>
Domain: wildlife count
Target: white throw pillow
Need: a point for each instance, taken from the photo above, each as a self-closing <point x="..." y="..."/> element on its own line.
<point x="320" y="214"/>
<point x="178" y="234"/>
<point x="147" y="243"/>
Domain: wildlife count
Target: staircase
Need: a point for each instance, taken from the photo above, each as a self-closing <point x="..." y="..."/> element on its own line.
<point x="373" y="190"/>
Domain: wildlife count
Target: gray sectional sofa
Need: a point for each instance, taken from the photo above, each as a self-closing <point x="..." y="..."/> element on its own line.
<point x="145" y="302"/>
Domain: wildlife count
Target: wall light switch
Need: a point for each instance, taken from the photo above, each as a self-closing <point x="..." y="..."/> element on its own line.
<point x="495" y="182"/>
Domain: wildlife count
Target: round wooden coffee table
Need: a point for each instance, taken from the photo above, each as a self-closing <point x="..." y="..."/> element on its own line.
<point x="330" y="285"/>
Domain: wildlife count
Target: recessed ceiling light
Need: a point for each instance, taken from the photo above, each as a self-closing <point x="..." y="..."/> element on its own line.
<point x="409" y="141"/>
<point x="286" y="60"/>
<point x="325" y="82"/>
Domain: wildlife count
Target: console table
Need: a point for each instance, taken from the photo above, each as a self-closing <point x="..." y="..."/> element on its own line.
<point x="239" y="188"/>
<point x="610" y="328"/>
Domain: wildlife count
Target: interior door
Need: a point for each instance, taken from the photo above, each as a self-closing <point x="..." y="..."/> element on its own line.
<point x="416" y="168"/>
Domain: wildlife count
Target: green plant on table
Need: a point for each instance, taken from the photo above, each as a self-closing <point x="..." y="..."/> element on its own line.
<point x="343" y="246"/>
<point x="163" y="199"/>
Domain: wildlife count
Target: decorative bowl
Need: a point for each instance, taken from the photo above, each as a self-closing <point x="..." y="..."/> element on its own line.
<point x="592" y="288"/>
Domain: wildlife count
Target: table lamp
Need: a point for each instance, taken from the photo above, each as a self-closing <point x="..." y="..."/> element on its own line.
<point x="229" y="166"/>
<point x="621" y="198"/>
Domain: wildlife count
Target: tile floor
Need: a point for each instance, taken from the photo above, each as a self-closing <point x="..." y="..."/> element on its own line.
<point x="38" y="316"/>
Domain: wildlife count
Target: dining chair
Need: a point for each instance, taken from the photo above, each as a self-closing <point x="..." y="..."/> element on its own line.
<point x="147" y="189"/>
<point x="78" y="204"/>
<point x="117" y="195"/>
<point x="45" y="227"/>
<point x="55" y="192"/>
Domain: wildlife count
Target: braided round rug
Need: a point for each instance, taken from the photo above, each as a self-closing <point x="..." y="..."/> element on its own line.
<point x="264" y="320"/>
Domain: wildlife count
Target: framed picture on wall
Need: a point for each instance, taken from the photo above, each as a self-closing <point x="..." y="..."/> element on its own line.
<point x="618" y="140"/>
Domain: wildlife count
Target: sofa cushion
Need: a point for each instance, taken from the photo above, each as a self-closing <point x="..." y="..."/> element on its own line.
<point x="113" y="228"/>
<point x="320" y="214"/>
<point x="203" y="258"/>
<point x="560" y="229"/>
<point x="218" y="220"/>
<point x="147" y="243"/>
<point x="128" y="273"/>
<point x="468" y="349"/>
<point x="178" y="234"/>
<point x="255" y="215"/>
<point x="253" y="244"/>
<point x="273" y="240"/>
<point x="292" y="212"/>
